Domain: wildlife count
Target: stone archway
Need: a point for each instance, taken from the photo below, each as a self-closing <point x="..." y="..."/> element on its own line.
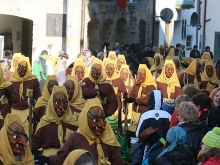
<point x="142" y="32"/>
<point x="18" y="34"/>
<point x="93" y="34"/>
<point x="108" y="32"/>
<point x="121" y="31"/>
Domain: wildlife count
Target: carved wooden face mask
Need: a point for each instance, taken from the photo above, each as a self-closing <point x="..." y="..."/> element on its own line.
<point x="157" y="61"/>
<point x="169" y="70"/>
<point x="124" y="74"/>
<point x="69" y="88"/>
<point x="50" y="85"/>
<point x="15" y="62"/>
<point x="79" y="72"/>
<point x="209" y="70"/>
<point x="110" y="69"/>
<point x="17" y="138"/>
<point x="60" y="103"/>
<point x="120" y="62"/>
<point x="141" y="76"/>
<point x="198" y="68"/>
<point x="96" y="120"/>
<point x="22" y="68"/>
<point x="177" y="63"/>
<point x="96" y="71"/>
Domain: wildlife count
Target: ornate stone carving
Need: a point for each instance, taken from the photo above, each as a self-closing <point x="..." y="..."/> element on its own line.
<point x="56" y="25"/>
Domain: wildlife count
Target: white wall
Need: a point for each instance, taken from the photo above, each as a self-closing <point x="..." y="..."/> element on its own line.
<point x="178" y="15"/>
<point x="213" y="25"/>
<point x="36" y="10"/>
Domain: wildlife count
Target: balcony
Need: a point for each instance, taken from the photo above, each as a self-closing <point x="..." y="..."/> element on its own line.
<point x="184" y="4"/>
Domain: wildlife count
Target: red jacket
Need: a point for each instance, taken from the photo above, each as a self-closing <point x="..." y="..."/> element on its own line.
<point x="212" y="161"/>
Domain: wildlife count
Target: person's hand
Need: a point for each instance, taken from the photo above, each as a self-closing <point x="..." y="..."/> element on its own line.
<point x="130" y="100"/>
<point x="41" y="160"/>
<point x="101" y="94"/>
<point x="7" y="93"/>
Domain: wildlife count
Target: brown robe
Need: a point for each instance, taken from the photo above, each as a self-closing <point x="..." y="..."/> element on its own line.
<point x="89" y="91"/>
<point x="38" y="113"/>
<point x="5" y="103"/>
<point x="1" y="123"/>
<point x="163" y="88"/>
<point x="119" y="87"/>
<point x="28" y="86"/>
<point x="143" y="101"/>
<point x="46" y="137"/>
<point x="205" y="83"/>
<point x="183" y="81"/>
<point x="78" y="141"/>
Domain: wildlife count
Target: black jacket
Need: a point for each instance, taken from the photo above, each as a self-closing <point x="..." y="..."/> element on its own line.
<point x="194" y="133"/>
<point x="181" y="155"/>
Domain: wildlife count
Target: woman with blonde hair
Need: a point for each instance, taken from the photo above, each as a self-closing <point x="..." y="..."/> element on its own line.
<point x="189" y="121"/>
<point x="215" y="96"/>
<point x="210" y="152"/>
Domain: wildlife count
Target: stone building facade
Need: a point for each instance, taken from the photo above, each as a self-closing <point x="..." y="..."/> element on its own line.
<point x="72" y="25"/>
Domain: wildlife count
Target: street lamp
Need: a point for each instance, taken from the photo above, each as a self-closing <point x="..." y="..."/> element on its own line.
<point x="131" y="9"/>
<point x="104" y="8"/>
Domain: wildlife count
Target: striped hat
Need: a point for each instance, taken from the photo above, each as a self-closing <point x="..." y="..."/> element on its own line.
<point x="168" y="105"/>
<point x="113" y="122"/>
<point x="212" y="138"/>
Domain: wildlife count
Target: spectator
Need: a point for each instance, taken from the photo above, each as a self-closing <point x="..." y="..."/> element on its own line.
<point x="149" y="52"/>
<point x="213" y="119"/>
<point x="169" y="106"/>
<point x="40" y="69"/>
<point x="178" y="51"/>
<point x="175" y="152"/>
<point x="188" y="120"/>
<point x="182" y="98"/>
<point x="207" y="49"/>
<point x="61" y="63"/>
<point x="210" y="153"/>
<point x="215" y="97"/>
<point x="190" y="90"/>
<point x="194" y="52"/>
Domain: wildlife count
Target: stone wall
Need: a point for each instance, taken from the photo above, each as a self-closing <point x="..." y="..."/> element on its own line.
<point x="116" y="26"/>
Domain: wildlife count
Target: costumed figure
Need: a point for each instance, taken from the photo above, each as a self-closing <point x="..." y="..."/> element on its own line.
<point x="206" y="57"/>
<point x="178" y="66"/>
<point x="112" y="55"/>
<point x="80" y="70"/>
<point x="157" y="67"/>
<point x="116" y="82"/>
<point x="7" y="95"/>
<point x="143" y="86"/>
<point x="74" y="92"/>
<point x="14" y="148"/>
<point x="56" y="125"/>
<point x="14" y="65"/>
<point x="79" y="157"/>
<point x="94" y="135"/>
<point x="96" y="85"/>
<point x="42" y="102"/>
<point x="168" y="82"/>
<point x="209" y="78"/>
<point x="191" y="75"/>
<point x="126" y="76"/>
<point x="120" y="61"/>
<point x="26" y="84"/>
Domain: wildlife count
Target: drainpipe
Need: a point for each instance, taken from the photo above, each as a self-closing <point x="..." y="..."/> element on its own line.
<point x="82" y="25"/>
<point x="197" y="27"/>
<point x="204" y="26"/>
<point x="153" y="22"/>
